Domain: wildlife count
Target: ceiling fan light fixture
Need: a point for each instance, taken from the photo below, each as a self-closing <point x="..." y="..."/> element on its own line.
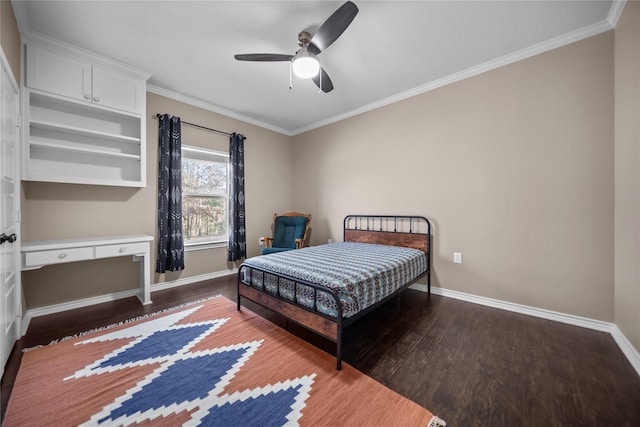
<point x="305" y="65"/>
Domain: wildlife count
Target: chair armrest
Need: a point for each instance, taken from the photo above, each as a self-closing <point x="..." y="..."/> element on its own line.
<point x="267" y="240"/>
<point x="299" y="243"/>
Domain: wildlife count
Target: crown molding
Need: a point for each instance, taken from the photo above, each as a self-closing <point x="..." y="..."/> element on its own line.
<point x="511" y="58"/>
<point x="611" y="21"/>
<point x="20" y="12"/>
<point x="213" y="108"/>
<point x="614" y="13"/>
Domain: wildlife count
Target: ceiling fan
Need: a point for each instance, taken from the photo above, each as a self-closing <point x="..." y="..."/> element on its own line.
<point x="304" y="63"/>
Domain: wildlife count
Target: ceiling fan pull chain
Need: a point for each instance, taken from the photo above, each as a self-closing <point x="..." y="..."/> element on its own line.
<point x="290" y="76"/>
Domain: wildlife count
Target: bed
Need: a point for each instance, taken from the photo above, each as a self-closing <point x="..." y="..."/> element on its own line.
<point x="326" y="288"/>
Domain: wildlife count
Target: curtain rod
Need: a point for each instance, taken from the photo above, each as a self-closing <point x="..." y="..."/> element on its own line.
<point x="157" y="116"/>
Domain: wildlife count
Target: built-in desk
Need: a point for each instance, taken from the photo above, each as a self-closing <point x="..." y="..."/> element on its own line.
<point x="39" y="254"/>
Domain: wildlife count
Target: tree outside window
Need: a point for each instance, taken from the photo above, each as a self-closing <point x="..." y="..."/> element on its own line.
<point x="205" y="176"/>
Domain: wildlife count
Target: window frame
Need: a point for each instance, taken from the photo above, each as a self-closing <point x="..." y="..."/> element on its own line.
<point x="206" y="154"/>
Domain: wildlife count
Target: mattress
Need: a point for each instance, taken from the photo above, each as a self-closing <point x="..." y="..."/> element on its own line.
<point x="361" y="274"/>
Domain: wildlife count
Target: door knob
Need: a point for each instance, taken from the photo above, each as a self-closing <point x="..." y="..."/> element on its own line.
<point x="10" y="238"/>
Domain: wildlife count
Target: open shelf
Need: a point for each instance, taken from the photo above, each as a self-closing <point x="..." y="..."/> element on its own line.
<point x="80" y="131"/>
<point x="89" y="151"/>
<point x="61" y="164"/>
<point x="75" y="142"/>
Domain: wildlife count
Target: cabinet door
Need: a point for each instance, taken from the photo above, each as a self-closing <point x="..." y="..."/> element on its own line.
<point x="58" y="74"/>
<point x="118" y="91"/>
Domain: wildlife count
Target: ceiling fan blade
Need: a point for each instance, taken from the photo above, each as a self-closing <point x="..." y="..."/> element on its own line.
<point x="263" y="57"/>
<point x="327" y="85"/>
<point x="333" y="27"/>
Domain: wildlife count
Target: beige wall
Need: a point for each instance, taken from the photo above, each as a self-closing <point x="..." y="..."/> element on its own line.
<point x="59" y="211"/>
<point x="514" y="167"/>
<point x="627" y="173"/>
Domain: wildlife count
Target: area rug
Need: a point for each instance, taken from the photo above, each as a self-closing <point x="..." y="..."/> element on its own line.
<point x="203" y="364"/>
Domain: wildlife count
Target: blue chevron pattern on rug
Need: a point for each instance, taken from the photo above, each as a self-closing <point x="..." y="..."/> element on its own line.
<point x="171" y="389"/>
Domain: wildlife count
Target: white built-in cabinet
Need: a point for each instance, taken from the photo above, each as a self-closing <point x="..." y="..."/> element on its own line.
<point x="84" y="118"/>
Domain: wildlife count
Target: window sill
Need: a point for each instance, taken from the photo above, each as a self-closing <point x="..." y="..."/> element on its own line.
<point x="188" y="247"/>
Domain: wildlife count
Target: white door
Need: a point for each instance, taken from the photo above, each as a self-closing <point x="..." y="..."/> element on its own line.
<point x="10" y="298"/>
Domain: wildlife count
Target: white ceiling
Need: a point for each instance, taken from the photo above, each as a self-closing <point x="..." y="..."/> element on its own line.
<point x="392" y="49"/>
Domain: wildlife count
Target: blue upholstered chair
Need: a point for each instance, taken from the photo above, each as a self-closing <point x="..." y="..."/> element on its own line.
<point x="289" y="232"/>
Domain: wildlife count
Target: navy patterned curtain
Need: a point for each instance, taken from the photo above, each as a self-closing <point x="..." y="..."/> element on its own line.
<point x="170" y="243"/>
<point x="237" y="231"/>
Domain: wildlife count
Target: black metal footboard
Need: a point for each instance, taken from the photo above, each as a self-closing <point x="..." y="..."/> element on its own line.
<point x="309" y="317"/>
<point x="325" y="325"/>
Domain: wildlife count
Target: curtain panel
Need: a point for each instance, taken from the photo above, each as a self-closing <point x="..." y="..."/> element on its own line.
<point x="170" y="241"/>
<point x="237" y="232"/>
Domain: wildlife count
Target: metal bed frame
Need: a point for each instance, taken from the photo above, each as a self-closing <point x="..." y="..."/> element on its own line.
<point x="393" y="230"/>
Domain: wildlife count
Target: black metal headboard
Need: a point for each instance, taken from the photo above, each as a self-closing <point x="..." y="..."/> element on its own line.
<point x="394" y="230"/>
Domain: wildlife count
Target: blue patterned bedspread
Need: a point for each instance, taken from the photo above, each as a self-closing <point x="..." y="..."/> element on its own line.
<point x="361" y="273"/>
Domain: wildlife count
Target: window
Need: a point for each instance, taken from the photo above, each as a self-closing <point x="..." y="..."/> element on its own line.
<point x="205" y="195"/>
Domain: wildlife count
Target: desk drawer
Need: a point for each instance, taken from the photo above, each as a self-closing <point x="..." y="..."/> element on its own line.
<point x="121" y="250"/>
<point x="57" y="256"/>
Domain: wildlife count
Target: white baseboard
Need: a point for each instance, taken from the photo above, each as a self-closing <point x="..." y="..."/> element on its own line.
<point x="24" y="324"/>
<point x="627" y="348"/>
<point x="625" y="345"/>
<point x="192" y="279"/>
<point x="57" y="308"/>
<point x="86" y="302"/>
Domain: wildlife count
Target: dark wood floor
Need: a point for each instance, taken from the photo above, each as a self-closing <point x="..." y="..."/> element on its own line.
<point x="471" y="365"/>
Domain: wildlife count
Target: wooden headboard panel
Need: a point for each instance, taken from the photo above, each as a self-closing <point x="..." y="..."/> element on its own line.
<point x="393" y="230"/>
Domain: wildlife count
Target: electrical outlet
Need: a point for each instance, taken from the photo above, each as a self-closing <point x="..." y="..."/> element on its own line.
<point x="260" y="242"/>
<point x="457" y="257"/>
